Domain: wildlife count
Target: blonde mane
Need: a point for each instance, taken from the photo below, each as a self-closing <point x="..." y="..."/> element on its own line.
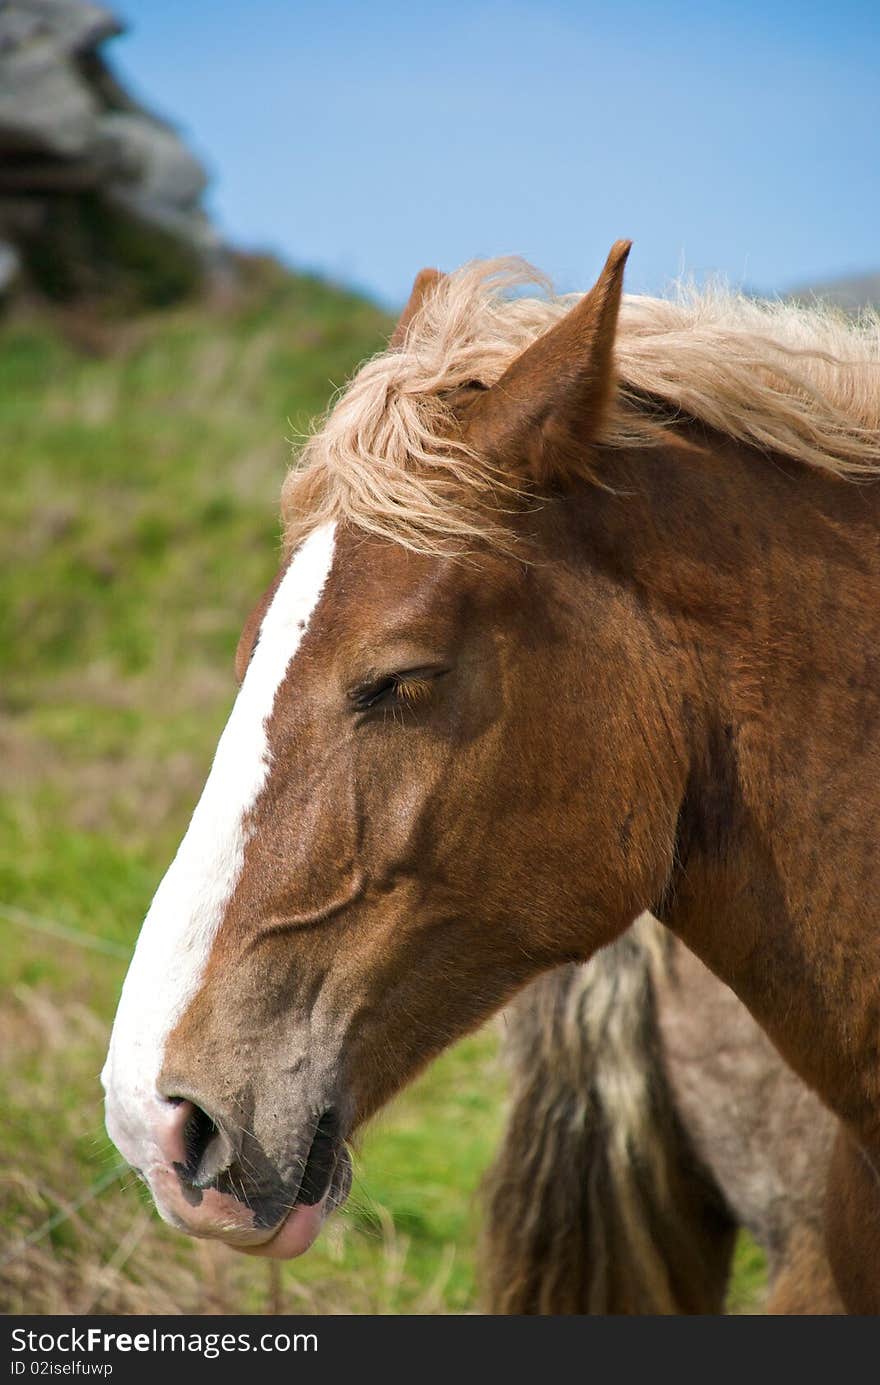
<point x="798" y="381"/>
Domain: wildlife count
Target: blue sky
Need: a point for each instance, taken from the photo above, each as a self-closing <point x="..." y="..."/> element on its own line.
<point x="368" y="139"/>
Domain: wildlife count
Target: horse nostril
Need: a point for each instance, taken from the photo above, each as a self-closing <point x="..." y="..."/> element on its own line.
<point x="206" y="1149"/>
<point x="198" y="1132"/>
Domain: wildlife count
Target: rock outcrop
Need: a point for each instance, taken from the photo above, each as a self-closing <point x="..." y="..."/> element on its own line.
<point x="98" y="196"/>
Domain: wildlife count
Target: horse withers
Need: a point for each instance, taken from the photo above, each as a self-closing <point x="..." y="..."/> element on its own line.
<point x="579" y="619"/>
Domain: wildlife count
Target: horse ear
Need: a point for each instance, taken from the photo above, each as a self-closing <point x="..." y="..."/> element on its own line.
<point x="552" y="400"/>
<point x="425" y="282"/>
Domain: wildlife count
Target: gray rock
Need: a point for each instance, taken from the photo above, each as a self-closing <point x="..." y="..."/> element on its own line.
<point x="156" y="177"/>
<point x="44" y="105"/>
<point x="74" y="27"/>
<point x="69" y="130"/>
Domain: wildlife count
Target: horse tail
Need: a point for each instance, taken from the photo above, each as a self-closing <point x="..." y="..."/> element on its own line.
<point x="596" y="1203"/>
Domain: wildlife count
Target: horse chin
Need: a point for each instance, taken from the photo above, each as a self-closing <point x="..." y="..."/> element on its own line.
<point x="302" y="1226"/>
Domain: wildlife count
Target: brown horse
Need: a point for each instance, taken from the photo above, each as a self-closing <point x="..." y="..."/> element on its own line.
<point x="650" y="1119"/>
<point x="579" y="620"/>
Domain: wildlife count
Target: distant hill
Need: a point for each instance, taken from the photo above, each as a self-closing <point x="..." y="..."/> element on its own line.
<point x="851" y="293"/>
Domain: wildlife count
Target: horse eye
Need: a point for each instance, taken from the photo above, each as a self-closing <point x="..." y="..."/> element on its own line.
<point x="406" y="689"/>
<point x="373" y="693"/>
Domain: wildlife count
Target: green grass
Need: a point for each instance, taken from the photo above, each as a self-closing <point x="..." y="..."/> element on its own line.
<point x="138" y="501"/>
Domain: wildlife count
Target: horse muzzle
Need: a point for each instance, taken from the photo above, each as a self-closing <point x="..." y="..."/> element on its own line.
<point x="210" y="1179"/>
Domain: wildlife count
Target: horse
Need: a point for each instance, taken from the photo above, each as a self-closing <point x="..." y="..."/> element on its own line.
<point x="650" y="1119"/>
<point x="575" y="619"/>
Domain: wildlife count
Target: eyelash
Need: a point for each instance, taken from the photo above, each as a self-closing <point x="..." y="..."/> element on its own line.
<point x="404" y="689"/>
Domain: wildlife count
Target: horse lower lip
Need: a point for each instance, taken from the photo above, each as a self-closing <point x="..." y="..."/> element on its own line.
<point x="293" y="1237"/>
<point x="302" y="1225"/>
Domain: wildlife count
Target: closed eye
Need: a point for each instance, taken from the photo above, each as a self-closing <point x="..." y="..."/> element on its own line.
<point x="408" y="688"/>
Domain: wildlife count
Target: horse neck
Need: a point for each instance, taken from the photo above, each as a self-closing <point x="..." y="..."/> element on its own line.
<point x="758" y="582"/>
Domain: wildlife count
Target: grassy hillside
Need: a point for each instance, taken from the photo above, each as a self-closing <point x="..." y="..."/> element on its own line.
<point x="852" y="294"/>
<point x="138" y="511"/>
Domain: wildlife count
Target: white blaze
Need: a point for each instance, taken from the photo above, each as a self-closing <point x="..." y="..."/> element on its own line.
<point x="177" y="935"/>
